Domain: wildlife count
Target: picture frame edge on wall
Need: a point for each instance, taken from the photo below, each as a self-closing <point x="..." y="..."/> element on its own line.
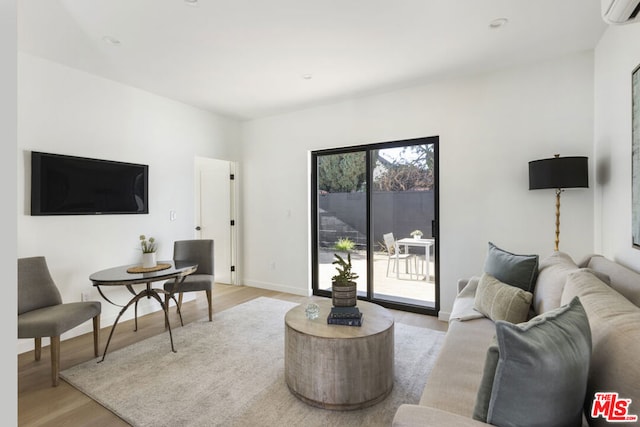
<point x="635" y="157"/>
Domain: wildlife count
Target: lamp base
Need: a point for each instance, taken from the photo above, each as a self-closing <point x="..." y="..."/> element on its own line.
<point x="558" y="192"/>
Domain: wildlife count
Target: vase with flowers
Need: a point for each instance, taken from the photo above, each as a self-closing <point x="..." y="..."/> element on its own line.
<point x="148" y="247"/>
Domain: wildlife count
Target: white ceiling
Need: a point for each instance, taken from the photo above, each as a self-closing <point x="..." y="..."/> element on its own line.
<point x="247" y="58"/>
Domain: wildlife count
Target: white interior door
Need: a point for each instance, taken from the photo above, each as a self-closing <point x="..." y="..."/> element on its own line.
<point x="215" y="212"/>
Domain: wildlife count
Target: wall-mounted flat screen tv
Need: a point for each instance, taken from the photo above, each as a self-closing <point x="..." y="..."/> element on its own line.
<point x="68" y="185"/>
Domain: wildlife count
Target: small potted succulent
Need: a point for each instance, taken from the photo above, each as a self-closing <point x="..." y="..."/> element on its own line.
<point x="148" y="247"/>
<point x="344" y="289"/>
<point x="417" y="234"/>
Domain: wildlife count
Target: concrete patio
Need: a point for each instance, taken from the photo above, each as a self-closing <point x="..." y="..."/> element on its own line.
<point x="403" y="287"/>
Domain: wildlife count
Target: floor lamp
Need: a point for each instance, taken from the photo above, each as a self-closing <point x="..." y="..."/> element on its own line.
<point x="558" y="173"/>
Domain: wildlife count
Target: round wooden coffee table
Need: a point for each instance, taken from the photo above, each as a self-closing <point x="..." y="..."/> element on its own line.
<point x="339" y="367"/>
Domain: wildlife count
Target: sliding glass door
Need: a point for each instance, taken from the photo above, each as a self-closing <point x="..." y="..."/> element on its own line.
<point x="341" y="215"/>
<point x="403" y="212"/>
<point x="378" y="204"/>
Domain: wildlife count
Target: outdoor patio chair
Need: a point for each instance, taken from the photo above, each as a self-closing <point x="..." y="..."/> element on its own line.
<point x="394" y="254"/>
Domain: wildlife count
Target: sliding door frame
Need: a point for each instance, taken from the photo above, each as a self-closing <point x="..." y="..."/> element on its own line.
<point x="367" y="149"/>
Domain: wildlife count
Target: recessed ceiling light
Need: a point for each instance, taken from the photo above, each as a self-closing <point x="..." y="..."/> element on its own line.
<point x="498" y="22"/>
<point x="191" y="2"/>
<point x="307" y="76"/>
<point x="111" y="40"/>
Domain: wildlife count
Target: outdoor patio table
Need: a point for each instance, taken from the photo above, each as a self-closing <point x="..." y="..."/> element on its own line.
<point x="425" y="243"/>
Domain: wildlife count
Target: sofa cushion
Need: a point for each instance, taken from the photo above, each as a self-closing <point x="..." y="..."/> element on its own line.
<point x="420" y="416"/>
<point x="453" y="382"/>
<point x="499" y="301"/>
<point x="552" y="276"/>
<point x="513" y="269"/>
<point x="536" y="374"/>
<point x="615" y="331"/>
<point x="622" y="279"/>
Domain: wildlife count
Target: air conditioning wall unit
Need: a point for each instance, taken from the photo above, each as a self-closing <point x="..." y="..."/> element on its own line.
<point x="620" y="11"/>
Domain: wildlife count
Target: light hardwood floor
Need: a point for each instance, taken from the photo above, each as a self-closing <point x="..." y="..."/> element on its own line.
<point x="39" y="404"/>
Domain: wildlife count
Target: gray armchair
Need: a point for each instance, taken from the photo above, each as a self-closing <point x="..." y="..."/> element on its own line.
<point x="201" y="252"/>
<point x="41" y="312"/>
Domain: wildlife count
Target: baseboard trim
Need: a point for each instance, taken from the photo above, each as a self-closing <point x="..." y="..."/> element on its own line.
<point x="277" y="287"/>
<point x="444" y="316"/>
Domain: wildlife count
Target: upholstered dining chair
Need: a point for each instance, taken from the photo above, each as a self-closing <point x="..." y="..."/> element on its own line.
<point x="41" y="312"/>
<point x="395" y="256"/>
<point x="201" y="252"/>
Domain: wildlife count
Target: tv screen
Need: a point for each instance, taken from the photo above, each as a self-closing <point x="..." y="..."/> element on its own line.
<point x="68" y="185"/>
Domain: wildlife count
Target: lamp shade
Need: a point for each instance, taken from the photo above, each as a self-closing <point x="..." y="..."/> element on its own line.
<point x="559" y="172"/>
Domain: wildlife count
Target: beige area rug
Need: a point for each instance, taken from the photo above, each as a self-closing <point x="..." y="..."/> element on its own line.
<point x="230" y="372"/>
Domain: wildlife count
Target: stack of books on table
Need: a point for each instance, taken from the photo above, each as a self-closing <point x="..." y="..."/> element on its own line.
<point x="349" y="316"/>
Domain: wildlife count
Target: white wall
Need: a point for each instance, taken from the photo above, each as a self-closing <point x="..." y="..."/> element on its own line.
<point x="616" y="56"/>
<point x="8" y="136"/>
<point x="66" y="111"/>
<point x="490" y="126"/>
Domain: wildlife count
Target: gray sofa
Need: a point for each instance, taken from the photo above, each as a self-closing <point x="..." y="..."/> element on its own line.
<point x="610" y="295"/>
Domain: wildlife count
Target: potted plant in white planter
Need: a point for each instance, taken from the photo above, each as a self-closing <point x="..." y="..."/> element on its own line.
<point x="344" y="289"/>
<point x="417" y="234"/>
<point x="148" y="251"/>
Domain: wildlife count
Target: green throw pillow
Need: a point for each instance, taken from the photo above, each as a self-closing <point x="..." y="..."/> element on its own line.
<point x="536" y="373"/>
<point x="499" y="301"/>
<point x="512" y="269"/>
